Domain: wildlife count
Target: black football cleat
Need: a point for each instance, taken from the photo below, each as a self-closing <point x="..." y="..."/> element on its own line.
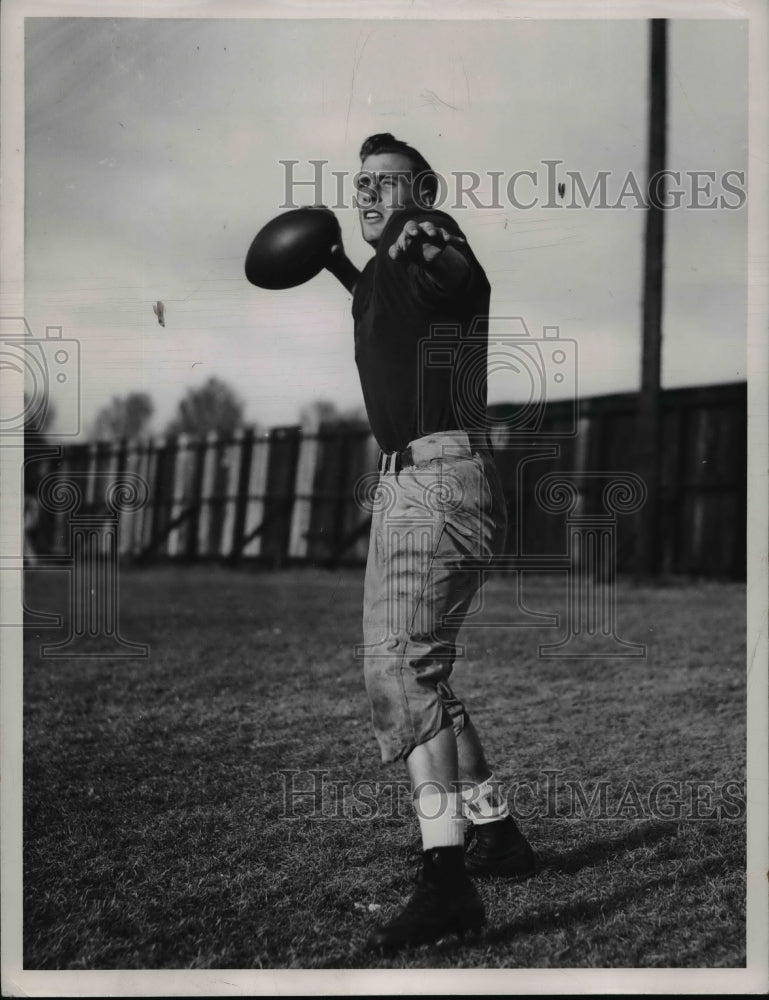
<point x="498" y="849"/>
<point x="444" y="902"/>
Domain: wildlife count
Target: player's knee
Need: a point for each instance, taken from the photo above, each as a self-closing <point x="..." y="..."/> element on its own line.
<point x="380" y="675"/>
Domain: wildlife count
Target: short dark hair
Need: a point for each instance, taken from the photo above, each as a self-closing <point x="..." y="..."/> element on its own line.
<point x="385" y="142"/>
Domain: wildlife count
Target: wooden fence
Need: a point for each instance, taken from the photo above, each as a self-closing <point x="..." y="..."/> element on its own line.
<point x="288" y="496"/>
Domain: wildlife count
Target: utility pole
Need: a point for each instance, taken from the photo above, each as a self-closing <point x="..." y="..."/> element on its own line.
<point x="648" y="426"/>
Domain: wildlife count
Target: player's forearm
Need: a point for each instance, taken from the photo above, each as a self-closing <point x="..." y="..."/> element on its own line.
<point x="450" y="269"/>
<point x="345" y="271"/>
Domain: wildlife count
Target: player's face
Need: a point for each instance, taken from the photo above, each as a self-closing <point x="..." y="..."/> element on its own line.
<point x="384" y="187"/>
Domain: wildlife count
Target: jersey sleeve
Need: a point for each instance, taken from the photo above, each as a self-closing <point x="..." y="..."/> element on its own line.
<point x="423" y="285"/>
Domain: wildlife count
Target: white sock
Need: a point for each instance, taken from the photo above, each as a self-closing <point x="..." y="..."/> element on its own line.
<point x="484" y="803"/>
<point x="440" y="819"/>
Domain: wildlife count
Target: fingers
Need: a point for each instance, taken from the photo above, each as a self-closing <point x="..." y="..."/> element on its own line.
<point x="323" y="208"/>
<point x="336" y="246"/>
<point x="411" y="232"/>
<point x="326" y="209"/>
<point x="407" y="236"/>
<point x="422" y="232"/>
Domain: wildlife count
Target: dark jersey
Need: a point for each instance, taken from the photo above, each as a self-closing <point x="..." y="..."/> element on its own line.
<point x="421" y="352"/>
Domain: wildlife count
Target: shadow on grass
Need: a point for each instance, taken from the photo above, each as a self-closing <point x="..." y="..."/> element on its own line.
<point x="561" y="915"/>
<point x="570" y="913"/>
<point x="584" y="856"/>
<point x="607" y="848"/>
<point x="558" y="917"/>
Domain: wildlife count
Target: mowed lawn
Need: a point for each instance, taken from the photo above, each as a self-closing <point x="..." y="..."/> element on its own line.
<point x="157" y="831"/>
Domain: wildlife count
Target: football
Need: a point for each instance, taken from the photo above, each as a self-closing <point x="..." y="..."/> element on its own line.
<point x="291" y="248"/>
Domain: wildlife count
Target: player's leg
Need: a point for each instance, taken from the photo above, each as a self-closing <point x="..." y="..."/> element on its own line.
<point x="433" y="770"/>
<point x="477" y="528"/>
<point x="404" y="662"/>
<point x="473" y="766"/>
<point x="444" y="900"/>
<point x="495" y="845"/>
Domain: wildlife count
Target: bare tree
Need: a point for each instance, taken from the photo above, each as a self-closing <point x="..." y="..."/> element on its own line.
<point x="123" y="417"/>
<point x="325" y="411"/>
<point x="214" y="406"/>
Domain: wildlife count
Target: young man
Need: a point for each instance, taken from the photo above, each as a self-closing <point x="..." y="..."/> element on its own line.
<point x="439" y="503"/>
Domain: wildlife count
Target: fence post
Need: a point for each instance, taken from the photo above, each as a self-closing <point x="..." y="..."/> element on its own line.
<point x="178" y="491"/>
<point x="246" y="446"/>
<point x="127" y="527"/>
<point x="305" y="479"/>
<point x="255" y="501"/>
<point x="206" y="491"/>
<point x="279" y="499"/>
<point x="150" y="526"/>
<point x="232" y="458"/>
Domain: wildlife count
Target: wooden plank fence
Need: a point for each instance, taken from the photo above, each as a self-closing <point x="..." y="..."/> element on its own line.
<point x="288" y="496"/>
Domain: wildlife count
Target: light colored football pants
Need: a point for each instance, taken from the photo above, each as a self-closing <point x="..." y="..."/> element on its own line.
<point x="426" y="520"/>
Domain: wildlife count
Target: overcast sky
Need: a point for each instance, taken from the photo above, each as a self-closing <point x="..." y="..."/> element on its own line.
<point x="153" y="152"/>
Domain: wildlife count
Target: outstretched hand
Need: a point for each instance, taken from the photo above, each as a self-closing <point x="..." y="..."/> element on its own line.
<point x="423" y="240"/>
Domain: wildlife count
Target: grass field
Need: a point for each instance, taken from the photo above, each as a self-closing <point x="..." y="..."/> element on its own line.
<point x="155" y="821"/>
